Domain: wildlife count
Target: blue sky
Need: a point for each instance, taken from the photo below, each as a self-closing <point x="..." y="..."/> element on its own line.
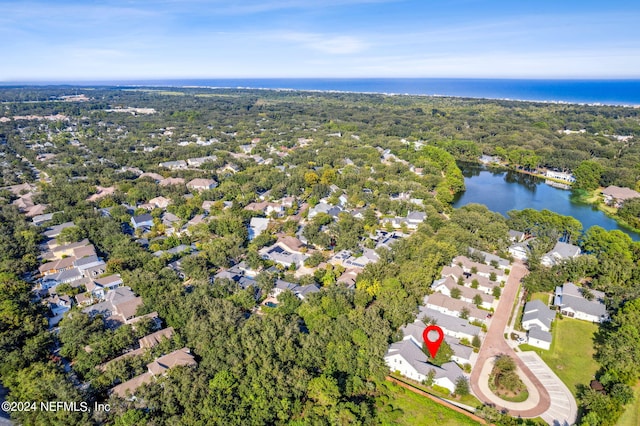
<point x="155" y="39"/>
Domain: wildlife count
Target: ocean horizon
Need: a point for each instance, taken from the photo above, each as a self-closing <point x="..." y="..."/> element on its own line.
<point x="583" y="91"/>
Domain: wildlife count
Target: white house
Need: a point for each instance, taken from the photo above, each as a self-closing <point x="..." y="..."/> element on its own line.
<point x="451" y="326"/>
<point x="560" y="252"/>
<point x="539" y="338"/>
<point x="408" y="359"/>
<point x="571" y="301"/>
<point x="537" y="314"/>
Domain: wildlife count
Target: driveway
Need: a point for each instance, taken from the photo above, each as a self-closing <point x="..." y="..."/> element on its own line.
<point x="494" y="344"/>
<point x="563" y="409"/>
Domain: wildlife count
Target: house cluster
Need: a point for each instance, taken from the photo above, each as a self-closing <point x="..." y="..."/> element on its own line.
<point x="561" y="251"/>
<point x="75" y="264"/>
<point x="188" y="163"/>
<point x="119" y="306"/>
<point x="459" y="305"/>
<point x="25" y="194"/>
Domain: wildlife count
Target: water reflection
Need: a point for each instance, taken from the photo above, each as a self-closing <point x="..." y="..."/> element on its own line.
<point x="502" y="191"/>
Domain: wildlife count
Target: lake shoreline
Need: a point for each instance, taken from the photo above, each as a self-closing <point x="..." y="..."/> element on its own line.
<point x="589" y="198"/>
<point x="502" y="188"/>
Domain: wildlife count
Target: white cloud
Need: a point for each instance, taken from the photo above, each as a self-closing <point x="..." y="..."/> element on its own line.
<point x="326" y="43"/>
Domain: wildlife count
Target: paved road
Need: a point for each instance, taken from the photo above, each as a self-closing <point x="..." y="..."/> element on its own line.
<point x="494" y="344"/>
<point x="563" y="410"/>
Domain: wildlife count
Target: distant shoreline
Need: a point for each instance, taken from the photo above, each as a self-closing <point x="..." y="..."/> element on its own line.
<point x="613" y="93"/>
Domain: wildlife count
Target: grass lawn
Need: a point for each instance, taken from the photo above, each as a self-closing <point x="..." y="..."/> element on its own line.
<point x="543" y="297"/>
<point x="412" y="409"/>
<point x="631" y="416"/>
<point x="571" y="353"/>
<point x="469" y="400"/>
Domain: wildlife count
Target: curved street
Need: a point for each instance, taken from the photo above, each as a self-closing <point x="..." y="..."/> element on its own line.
<point x="494" y="344"/>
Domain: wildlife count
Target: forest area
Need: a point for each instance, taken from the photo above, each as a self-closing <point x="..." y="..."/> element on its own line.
<point x="312" y="361"/>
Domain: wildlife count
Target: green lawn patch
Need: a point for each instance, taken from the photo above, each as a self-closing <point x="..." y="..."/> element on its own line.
<point x="631" y="416"/>
<point x="407" y="408"/>
<point x="571" y="353"/>
<point x="543" y="297"/>
<point x="469" y="400"/>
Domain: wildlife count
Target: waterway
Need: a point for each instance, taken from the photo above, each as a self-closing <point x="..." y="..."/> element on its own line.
<point x="502" y="191"/>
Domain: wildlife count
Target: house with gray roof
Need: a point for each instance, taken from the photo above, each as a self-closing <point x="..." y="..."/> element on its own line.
<point x="571" y="301"/>
<point x="537" y="314"/>
<point x="490" y="258"/>
<point x="407" y="358"/>
<point x="467" y="294"/>
<point x="284" y="253"/>
<point x="539" y="338"/>
<point x="461" y="354"/>
<point x="451" y="326"/>
<point x="321" y="207"/>
<point x="142" y="221"/>
<point x="559" y="253"/>
<point x="455" y="307"/>
<point x="304" y="291"/>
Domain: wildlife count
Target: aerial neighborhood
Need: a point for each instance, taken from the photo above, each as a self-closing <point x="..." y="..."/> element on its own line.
<point x="269" y="270"/>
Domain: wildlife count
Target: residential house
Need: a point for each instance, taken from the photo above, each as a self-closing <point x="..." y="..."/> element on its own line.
<point x="567" y="177"/>
<point x="119" y="307"/>
<point x="58" y="304"/>
<point x="54" y="231"/>
<point x="304" y="291"/>
<point x="266" y="208"/>
<point x="559" y="253"/>
<point x="155" y="369"/>
<point x="174" y="165"/>
<point x="537" y="314"/>
<point x="576" y="302"/>
<point x="200" y="184"/>
<point x="160" y="202"/>
<point x="516" y="236"/>
<point x="539" y="338"/>
<point x="467" y="294"/>
<point x="171" y="181"/>
<point x="469" y="279"/>
<point x="451" y="326"/>
<point x="281" y="286"/>
<point x="153" y="176"/>
<point x="99" y="286"/>
<point x="481" y="269"/>
<point x="199" y="161"/>
<point x="325" y="208"/>
<point x="286" y="251"/>
<point x="461" y="354"/>
<point x="491" y="259"/>
<point x="455" y="307"/>
<point x="407" y="358"/>
<point x="257" y="225"/>
<point x="520" y="250"/>
<point x="411" y="221"/>
<point x="616" y="196"/>
<point x="143" y="221"/>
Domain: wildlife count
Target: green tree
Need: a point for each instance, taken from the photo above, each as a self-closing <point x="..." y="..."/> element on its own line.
<point x="588" y="175"/>
<point x="462" y="386"/>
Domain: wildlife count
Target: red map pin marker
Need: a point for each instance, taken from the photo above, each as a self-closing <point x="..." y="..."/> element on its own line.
<point x="433" y="336"/>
